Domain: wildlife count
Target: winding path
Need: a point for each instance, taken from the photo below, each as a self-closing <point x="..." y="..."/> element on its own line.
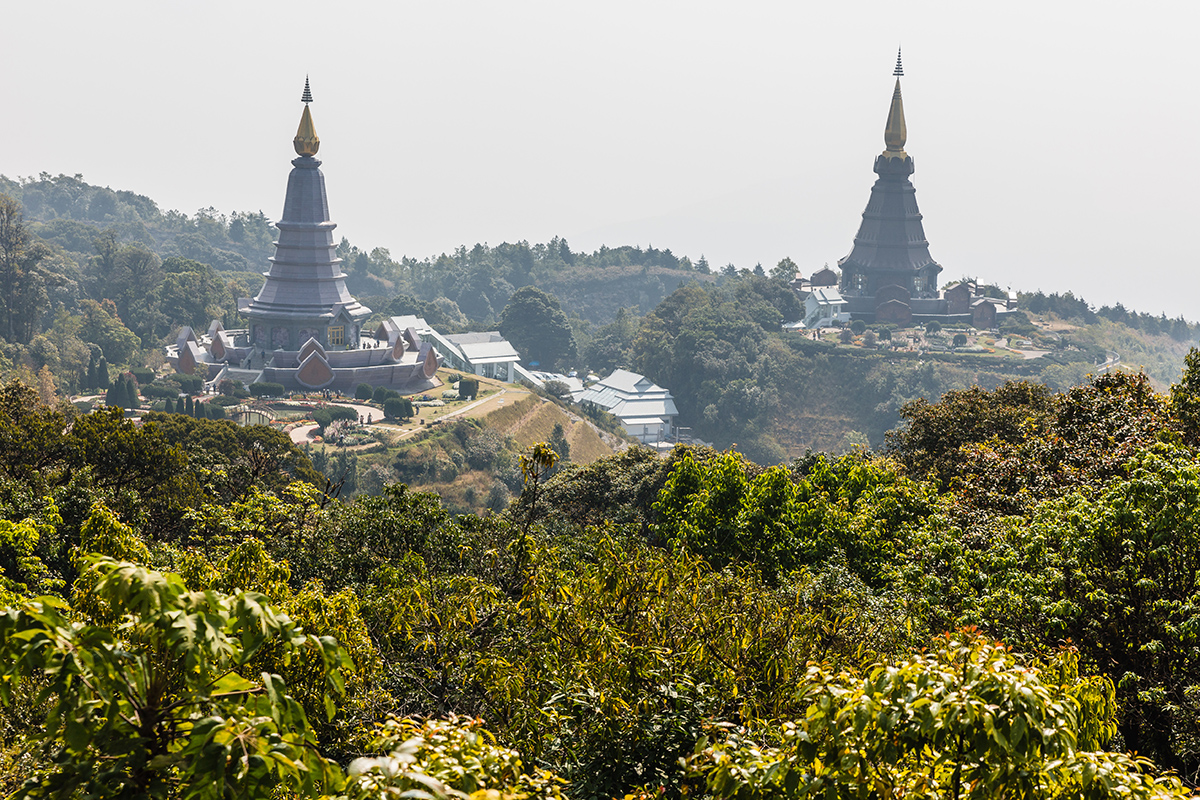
<point x="300" y="434"/>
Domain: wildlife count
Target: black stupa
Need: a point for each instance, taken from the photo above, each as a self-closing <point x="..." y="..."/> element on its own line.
<point x="890" y="248"/>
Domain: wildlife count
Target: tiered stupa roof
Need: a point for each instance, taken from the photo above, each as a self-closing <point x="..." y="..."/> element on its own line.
<point x="891" y="248"/>
<point x="305" y="327"/>
<point x="305" y="282"/>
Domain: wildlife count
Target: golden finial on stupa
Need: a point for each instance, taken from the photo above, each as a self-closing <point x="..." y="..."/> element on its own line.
<point x="896" y="134"/>
<point x="306" y="142"/>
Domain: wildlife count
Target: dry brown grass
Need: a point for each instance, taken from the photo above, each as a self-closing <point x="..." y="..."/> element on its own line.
<point x="455" y="493"/>
<point x="495" y="403"/>
<point x="538" y="426"/>
<point x="507" y="417"/>
<point x="586" y="444"/>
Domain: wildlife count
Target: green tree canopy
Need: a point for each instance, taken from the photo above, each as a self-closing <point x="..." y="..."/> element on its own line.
<point x="535" y="324"/>
<point x="102" y="326"/>
<point x="170" y="706"/>
<point x="965" y="720"/>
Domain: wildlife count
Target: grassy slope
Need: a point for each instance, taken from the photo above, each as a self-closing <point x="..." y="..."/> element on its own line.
<point x="530" y="419"/>
<point x="533" y="420"/>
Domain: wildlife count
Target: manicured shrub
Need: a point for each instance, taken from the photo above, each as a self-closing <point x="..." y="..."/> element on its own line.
<point x="267" y="389"/>
<point x="189" y="384"/>
<point x="398" y="408"/>
<point x="159" y="391"/>
<point x="102" y="379"/>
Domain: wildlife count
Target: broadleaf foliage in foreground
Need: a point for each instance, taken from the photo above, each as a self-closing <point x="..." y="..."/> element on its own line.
<point x="692" y="624"/>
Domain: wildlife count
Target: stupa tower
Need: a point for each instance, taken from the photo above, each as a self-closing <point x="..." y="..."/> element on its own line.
<point x="305" y="327"/>
<point x="305" y="295"/>
<point x="890" y="248"/>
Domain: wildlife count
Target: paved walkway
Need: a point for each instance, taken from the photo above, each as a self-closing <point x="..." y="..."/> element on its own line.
<point x="362" y="411"/>
<point x="404" y="433"/>
<point x="474" y="404"/>
<point x="301" y="433"/>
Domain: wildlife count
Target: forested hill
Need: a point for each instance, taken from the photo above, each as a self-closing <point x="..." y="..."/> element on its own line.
<point x="1006" y="605"/>
<point x="72" y="214"/>
<point x="738" y="379"/>
<point x="109" y="273"/>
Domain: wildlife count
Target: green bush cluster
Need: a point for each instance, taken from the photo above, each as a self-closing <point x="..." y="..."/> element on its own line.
<point x="267" y="389"/>
<point x="1002" y="604"/>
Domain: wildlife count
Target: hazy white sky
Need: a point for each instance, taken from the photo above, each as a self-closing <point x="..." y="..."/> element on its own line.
<point x="1055" y="142"/>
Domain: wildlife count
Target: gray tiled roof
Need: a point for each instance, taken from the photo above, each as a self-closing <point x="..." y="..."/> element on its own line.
<point x="630" y="396"/>
<point x="305" y="281"/>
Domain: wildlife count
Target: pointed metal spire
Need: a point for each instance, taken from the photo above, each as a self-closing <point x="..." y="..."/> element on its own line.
<point x="306" y="142"/>
<point x="895" y="134"/>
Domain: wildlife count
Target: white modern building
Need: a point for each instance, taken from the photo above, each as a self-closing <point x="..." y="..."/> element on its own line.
<point x="824" y="306"/>
<point x="646" y="410"/>
<point x="487" y="354"/>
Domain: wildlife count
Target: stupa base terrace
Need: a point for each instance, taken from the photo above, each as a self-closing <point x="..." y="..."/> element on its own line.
<point x="401" y="362"/>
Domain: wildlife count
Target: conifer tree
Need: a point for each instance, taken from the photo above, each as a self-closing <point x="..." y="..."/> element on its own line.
<point x="91" y="372"/>
<point x="189" y="409"/>
<point x="169" y="406"/>
<point x="102" y="381"/>
<point x="559" y="444"/>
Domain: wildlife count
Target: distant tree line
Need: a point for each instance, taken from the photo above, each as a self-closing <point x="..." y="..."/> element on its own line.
<point x="1068" y="306"/>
